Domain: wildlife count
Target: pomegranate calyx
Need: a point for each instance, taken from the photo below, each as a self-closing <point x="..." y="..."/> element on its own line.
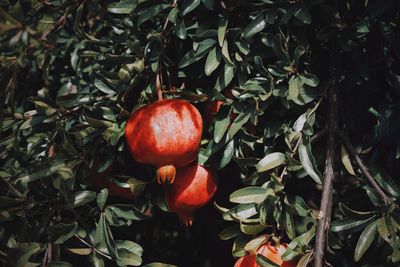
<point x="166" y="174"/>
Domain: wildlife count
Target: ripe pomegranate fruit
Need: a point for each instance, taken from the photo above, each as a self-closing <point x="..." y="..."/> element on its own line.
<point x="100" y="181"/>
<point x="165" y="134"/>
<point x="194" y="187"/>
<point x="273" y="253"/>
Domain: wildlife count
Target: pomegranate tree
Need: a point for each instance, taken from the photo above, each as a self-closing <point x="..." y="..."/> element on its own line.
<point x="165" y="134"/>
<point x="194" y="187"/>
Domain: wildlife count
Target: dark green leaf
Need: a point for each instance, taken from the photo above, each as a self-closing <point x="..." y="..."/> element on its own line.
<point x="151" y="12"/>
<point x="271" y="161"/>
<point x="188" y="6"/>
<point x="349" y="225"/>
<point x="20" y="255"/>
<point x="258" y="24"/>
<point x="365" y="240"/>
<point x="102" y="198"/>
<point x="308" y="162"/>
<point x="122" y="7"/>
<point x="252" y="194"/>
<point x="83" y="197"/>
<point x="62" y="232"/>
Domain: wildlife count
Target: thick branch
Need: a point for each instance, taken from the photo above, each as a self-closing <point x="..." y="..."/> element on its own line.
<point x="363" y="167"/>
<point x="327" y="190"/>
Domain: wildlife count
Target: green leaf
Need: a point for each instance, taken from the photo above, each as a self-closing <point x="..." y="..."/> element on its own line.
<point x="308" y="162"/>
<point x="222" y="122"/>
<point x="209" y="4"/>
<point x="304" y="260"/>
<point x="222" y="25"/>
<point x="309" y="79"/>
<point x="265" y="262"/>
<point x="229" y="232"/>
<point x="62" y="232"/>
<point x="83" y="197"/>
<point x="151" y="12"/>
<point x="251" y="228"/>
<point x="243" y="211"/>
<point x="385" y="229"/>
<point x="81" y="251"/>
<point x="225" y="77"/>
<point x="20" y="255"/>
<point x="129" y="253"/>
<point x="104" y="236"/>
<point x="103" y="87"/>
<point x="189" y="6"/>
<point x="212" y="62"/>
<point x="271" y="161"/>
<point x="365" y="240"/>
<point x="354" y="214"/>
<point x="180" y="30"/>
<point x="102" y="198"/>
<point x="346" y="160"/>
<point x="303" y="15"/>
<point x="350" y="225"/>
<point x="122" y="7"/>
<point x="121" y="214"/>
<point x="46" y="172"/>
<point x="240" y="120"/>
<point x="258" y="24"/>
<point x="137" y="186"/>
<point x="288" y="224"/>
<point x="251" y="194"/>
<point x="385" y="181"/>
<point x="227" y="155"/>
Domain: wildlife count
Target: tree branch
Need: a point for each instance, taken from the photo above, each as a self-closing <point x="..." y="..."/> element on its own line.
<point x="346" y="141"/>
<point x="327" y="190"/>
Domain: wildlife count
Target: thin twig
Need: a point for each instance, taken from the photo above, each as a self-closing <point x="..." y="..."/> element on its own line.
<point x="346" y="141"/>
<point x="327" y="190"/>
<point x="316" y="137"/>
<point x="92" y="247"/>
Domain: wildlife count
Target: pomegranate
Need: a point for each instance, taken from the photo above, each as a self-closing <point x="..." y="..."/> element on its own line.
<point x="273" y="253"/>
<point x="165" y="134"/>
<point x="195" y="187"/>
<point x="100" y="181"/>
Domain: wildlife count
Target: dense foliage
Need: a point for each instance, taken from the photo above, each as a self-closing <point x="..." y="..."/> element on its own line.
<point x="71" y="73"/>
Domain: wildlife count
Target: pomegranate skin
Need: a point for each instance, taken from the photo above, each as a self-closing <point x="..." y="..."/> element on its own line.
<point x="273" y="253"/>
<point x="194" y="187"/>
<point x="165" y="133"/>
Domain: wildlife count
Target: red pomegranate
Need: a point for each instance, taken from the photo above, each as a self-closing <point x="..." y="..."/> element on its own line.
<point x="165" y="134"/>
<point x="273" y="253"/>
<point x="100" y="181"/>
<point x="194" y="187"/>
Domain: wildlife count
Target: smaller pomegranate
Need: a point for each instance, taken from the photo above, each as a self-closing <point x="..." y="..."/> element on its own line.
<point x="273" y="253"/>
<point x="165" y="134"/>
<point x="194" y="187"/>
<point x="100" y="181"/>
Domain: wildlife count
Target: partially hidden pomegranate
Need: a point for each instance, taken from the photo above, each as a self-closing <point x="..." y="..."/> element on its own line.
<point x="100" y="181"/>
<point x="273" y="253"/>
<point x="165" y="134"/>
<point x="194" y="187"/>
